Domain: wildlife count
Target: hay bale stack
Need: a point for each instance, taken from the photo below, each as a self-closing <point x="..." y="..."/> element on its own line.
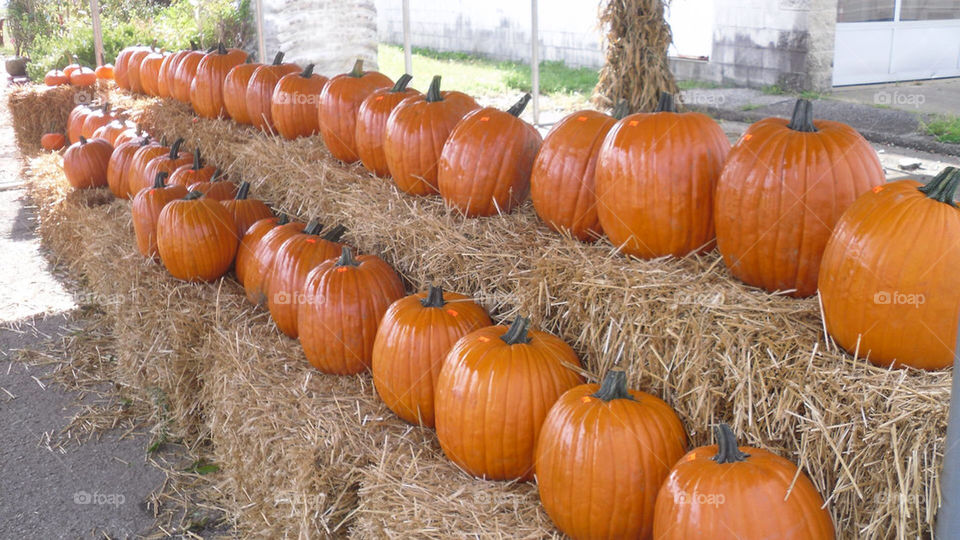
<point x="37" y="109"/>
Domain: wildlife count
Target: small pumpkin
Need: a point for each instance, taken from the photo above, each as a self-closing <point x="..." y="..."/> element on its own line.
<point x="259" y="91"/>
<point x="118" y="168"/>
<point x="235" y="91"/>
<point x="888" y="282"/>
<point x="98" y="117"/>
<point x="485" y="164"/>
<point x="655" y="178"/>
<point x="249" y="242"/>
<point x="728" y="491"/>
<point x="493" y="394"/>
<point x="53" y="141"/>
<point x="195" y="238"/>
<point x="138" y="164"/>
<point x="182" y="75"/>
<point x="299" y="254"/>
<point x="415" y="133"/>
<point x="85" y="163"/>
<point x="206" y="90"/>
<point x="256" y="275"/>
<point x="345" y="299"/>
<point x="83" y="76"/>
<point x="586" y="427"/>
<point x="372" y="123"/>
<point x="414" y="337"/>
<point x="150" y="73"/>
<point x="145" y="211"/>
<point x="217" y="187"/>
<point x="194" y="172"/>
<point x="70" y="68"/>
<point x="294" y="103"/>
<point x="55" y="77"/>
<point x="783" y="187"/>
<point x="339" y="102"/>
<point x="167" y="162"/>
<point x="104" y="72"/>
<point x="246" y="211"/>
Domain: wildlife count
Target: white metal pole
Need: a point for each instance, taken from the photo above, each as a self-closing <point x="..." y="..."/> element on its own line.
<point x="97" y="31"/>
<point x="535" y="59"/>
<point x="407" y="51"/>
<point x="948" y="515"/>
<point x="261" y="41"/>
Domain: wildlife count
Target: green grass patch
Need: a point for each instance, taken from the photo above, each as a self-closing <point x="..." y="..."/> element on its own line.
<point x="945" y="129"/>
<point x="772" y="90"/>
<point x="750" y="107"/>
<point x="812" y="96"/>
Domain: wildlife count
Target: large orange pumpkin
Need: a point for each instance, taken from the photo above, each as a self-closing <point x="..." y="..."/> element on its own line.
<point x="655" y="178"/>
<point x="110" y="131"/>
<point x="78" y="115"/>
<point x="256" y="275"/>
<point x="245" y="211"/>
<point x="194" y="172"/>
<point x="493" y="393"/>
<point x="485" y="164"/>
<point x="150" y="73"/>
<point x="415" y="133"/>
<point x="206" y="90"/>
<point x="251" y="240"/>
<point x="97" y="118"/>
<point x="344" y="300"/>
<point x="294" y="259"/>
<point x="562" y="185"/>
<point x="118" y="168"/>
<point x="145" y="211"/>
<point x="259" y="92"/>
<point x="138" y="163"/>
<point x="235" y="91"/>
<point x="585" y="429"/>
<point x="340" y="100"/>
<point x="196" y="238"/>
<point x="182" y="75"/>
<point x="372" y="123"/>
<point x="295" y="102"/>
<point x="83" y="76"/>
<point x="730" y="492"/>
<point x="167" y="162"/>
<point x="129" y="134"/>
<point x="414" y="337"/>
<point x="121" y="66"/>
<point x="783" y="187"/>
<point x="85" y="163"/>
<point x="888" y="280"/>
<point x="218" y="187"/>
<point x="168" y="70"/>
<point x="133" y="68"/>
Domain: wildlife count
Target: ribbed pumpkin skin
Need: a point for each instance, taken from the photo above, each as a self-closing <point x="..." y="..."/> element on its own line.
<point x="894" y="240"/>
<point x="235" y="92"/>
<point x="562" y="183"/>
<point x="206" y="90"/>
<point x="133" y="69"/>
<point x="95" y="120"/>
<point x="145" y="210"/>
<point x="129" y="134"/>
<point x="150" y="73"/>
<point x="340" y="100"/>
<point x="600" y="463"/>
<point x="256" y="277"/>
<point x="246" y="212"/>
<point x="196" y="239"/>
<point x="295" y="258"/>
<point x="136" y="180"/>
<point x="121" y="66"/>
<point x="655" y="179"/>
<point x="412" y="342"/>
<point x="248" y="245"/>
<point x="183" y="75"/>
<point x="118" y="168"/>
<point x="752" y="492"/>
<point x="186" y="175"/>
<point x="52" y="141"/>
<point x="779" y="196"/>
<point x="109" y="132"/>
<point x="55" y="77"/>
<point x="485" y="164"/>
<point x="372" y="125"/>
<point x="219" y="190"/>
<point x="338" y="323"/>
<point x="85" y="163"/>
<point x="295" y="103"/>
<point x="492" y="398"/>
<point x="78" y="115"/>
<point x="104" y="72"/>
<point x="415" y="134"/>
<point x="164" y="75"/>
<point x="259" y="93"/>
<point x="164" y="163"/>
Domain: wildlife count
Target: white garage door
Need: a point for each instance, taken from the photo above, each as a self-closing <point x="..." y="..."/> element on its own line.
<point x="896" y="40"/>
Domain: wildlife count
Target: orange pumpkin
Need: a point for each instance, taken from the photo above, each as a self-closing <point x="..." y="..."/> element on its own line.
<point x="70" y="68"/>
<point x="295" y="102"/>
<point x="217" y="187"/>
<point x="52" y="141"/>
<point x="122" y="64"/>
<point x="83" y="76"/>
<point x="655" y="179"/>
<point x="414" y="337"/>
<point x="150" y="73"/>
<point x="78" y="115"/>
<point x="104" y="72"/>
<point x="586" y="427"/>
<point x="260" y="89"/>
<point x="727" y="492"/>
<point x="168" y="70"/>
<point x="193" y="173"/>
<point x="493" y="393"/>
<point x="372" y="123"/>
<point x="562" y="185"/>
<point x="345" y="299"/>
<point x="145" y="211"/>
<point x="294" y="259"/>
<point x="339" y="102"/>
<point x="783" y="187"/>
<point x="166" y="162"/>
<point x="245" y="211"/>
<point x="249" y="242"/>
<point x="415" y="133"/>
<point x="97" y="118"/>
<point x="485" y="164"/>
<point x="888" y="281"/>
<point x="195" y="238"/>
<point x="55" y="77"/>
<point x="129" y="134"/>
<point x="206" y="90"/>
<point x="133" y="68"/>
<point x="110" y="131"/>
<point x="85" y="163"/>
<point x="182" y="75"/>
<point x="118" y="168"/>
<point x="256" y="275"/>
<point x="235" y="91"/>
<point x="138" y="164"/>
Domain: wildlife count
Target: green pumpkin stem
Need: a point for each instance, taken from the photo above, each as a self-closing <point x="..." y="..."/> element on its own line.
<point x="307" y="71"/>
<point x="727" y="449"/>
<point x="313" y="227"/>
<point x="802" y="117"/>
<point x="144" y="141"/>
<point x="519" y="106"/>
<point x="334" y="234"/>
<point x="357" y="70"/>
<point x="346" y="258"/>
<point x="943" y="187"/>
<point x="195" y="194"/>
<point x="83" y="140"/>
<point x="517" y="333"/>
<point x="278" y="59"/>
<point x="243" y="192"/>
<point x="666" y="103"/>
<point x="433" y="93"/>
<point x="620" y="110"/>
<point x="402" y="82"/>
<point x="196" y="158"/>
<point x="614" y="386"/>
<point x="160" y="180"/>
<point x="283" y="219"/>
<point x="434" y="297"/>
<point x="175" y="149"/>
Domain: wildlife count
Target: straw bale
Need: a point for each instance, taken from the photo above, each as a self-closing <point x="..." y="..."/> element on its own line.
<point x="38" y="109"/>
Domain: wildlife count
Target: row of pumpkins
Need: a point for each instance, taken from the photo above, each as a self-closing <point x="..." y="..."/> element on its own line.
<point x="76" y="74"/>
<point x="609" y="461"/>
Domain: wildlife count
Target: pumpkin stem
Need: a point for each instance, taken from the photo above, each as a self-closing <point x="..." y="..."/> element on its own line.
<point x="221" y="49"/>
<point x="83" y="140"/>
<point x="334" y="234"/>
<point x="434" y="297"/>
<point x="307" y="71"/>
<point x="402" y="83"/>
<point x="243" y="192"/>
<point x="614" y="386"/>
<point x="144" y="141"/>
<point x="163" y="140"/>
<point x="433" y="93"/>
<point x="283" y="219"/>
<point x="278" y="58"/>
<point x="520" y="105"/>
<point x="802" y="117"/>
<point x="346" y="258"/>
<point x="357" y="68"/>
<point x="196" y="158"/>
<point x="727" y="449"/>
<point x="620" y="110"/>
<point x="313" y="227"/>
<point x="215" y="177"/>
<point x="160" y="179"/>
<point x="195" y="194"/>
<point x="666" y="103"/>
<point x="211" y="49"/>
<point x="193" y="45"/>
<point x="943" y="187"/>
<point x="105" y="108"/>
<point x="517" y="333"/>
<point x="175" y="149"/>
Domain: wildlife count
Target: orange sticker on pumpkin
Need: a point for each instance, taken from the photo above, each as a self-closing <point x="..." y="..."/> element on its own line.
<point x="877" y="189"/>
<point x="484" y="118"/>
<point x="581" y="118"/>
<point x="632" y="123"/>
<point x="483" y="339"/>
<point x="452" y="312"/>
